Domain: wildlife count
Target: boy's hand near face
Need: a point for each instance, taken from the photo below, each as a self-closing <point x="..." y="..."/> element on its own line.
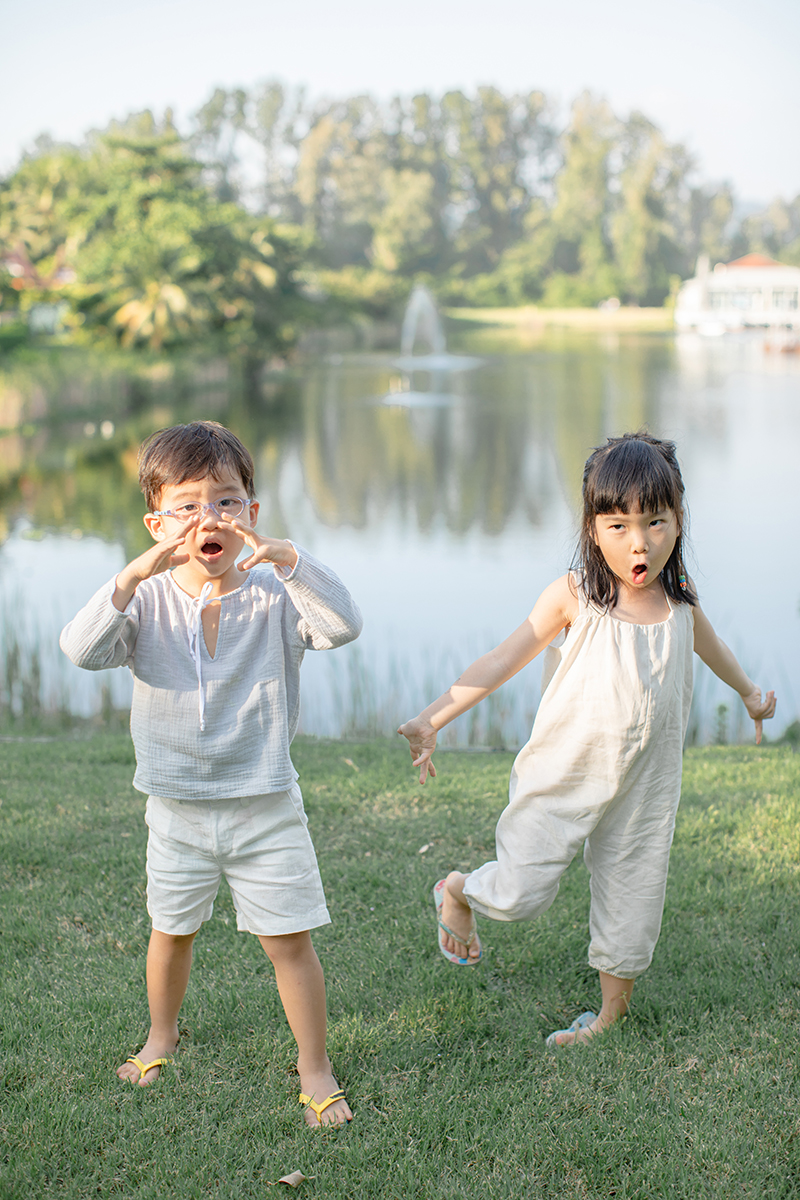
<point x="265" y="549"/>
<point x="161" y="557"/>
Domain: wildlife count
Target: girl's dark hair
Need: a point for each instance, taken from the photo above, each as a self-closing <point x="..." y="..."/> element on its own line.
<point x="635" y="472"/>
<point x="188" y="452"/>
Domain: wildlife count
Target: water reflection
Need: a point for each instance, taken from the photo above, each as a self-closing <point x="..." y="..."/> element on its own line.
<point x="446" y="522"/>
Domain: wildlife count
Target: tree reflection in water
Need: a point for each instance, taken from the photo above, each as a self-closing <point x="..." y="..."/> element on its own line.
<point x="445" y="521"/>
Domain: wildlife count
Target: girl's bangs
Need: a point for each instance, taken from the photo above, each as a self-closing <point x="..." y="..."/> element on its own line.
<point x="636" y="477"/>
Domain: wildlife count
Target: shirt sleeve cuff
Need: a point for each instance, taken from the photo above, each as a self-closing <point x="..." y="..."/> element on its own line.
<point x="121" y="612"/>
<point x="288" y="572"/>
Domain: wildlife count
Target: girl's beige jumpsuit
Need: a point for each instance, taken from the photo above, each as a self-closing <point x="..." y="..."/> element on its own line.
<point x="602" y="769"/>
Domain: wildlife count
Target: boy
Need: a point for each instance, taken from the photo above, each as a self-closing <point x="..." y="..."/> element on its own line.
<point x="215" y="648"/>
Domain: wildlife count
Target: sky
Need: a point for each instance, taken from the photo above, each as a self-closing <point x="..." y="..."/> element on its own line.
<point x="721" y="76"/>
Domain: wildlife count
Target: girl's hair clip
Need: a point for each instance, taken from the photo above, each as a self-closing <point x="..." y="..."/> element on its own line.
<point x="682" y="582"/>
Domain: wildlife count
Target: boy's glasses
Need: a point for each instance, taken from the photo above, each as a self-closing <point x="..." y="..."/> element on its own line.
<point x="228" y="506"/>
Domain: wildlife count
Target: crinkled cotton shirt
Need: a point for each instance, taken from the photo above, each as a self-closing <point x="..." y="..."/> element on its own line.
<point x="250" y="688"/>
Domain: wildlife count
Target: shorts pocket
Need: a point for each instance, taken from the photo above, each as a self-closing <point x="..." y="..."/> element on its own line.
<point x="296" y="797"/>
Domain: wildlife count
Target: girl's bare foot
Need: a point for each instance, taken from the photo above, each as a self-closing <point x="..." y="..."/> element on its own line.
<point x="154" y="1047"/>
<point x="458" y="916"/>
<point x="319" y="1085"/>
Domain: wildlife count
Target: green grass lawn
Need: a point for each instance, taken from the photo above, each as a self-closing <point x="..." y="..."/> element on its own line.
<point x="696" y="1095"/>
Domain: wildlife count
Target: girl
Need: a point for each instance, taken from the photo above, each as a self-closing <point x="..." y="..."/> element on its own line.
<point x="602" y="768"/>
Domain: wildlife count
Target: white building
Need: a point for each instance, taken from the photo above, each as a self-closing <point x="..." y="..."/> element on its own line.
<point x="750" y="292"/>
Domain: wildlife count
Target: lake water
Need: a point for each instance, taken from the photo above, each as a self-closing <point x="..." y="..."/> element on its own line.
<point x="446" y="508"/>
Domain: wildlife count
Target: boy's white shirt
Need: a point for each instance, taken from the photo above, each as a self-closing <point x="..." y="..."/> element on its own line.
<point x="251" y="688"/>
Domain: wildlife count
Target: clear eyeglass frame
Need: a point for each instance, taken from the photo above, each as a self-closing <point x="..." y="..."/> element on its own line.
<point x="227" y="506"/>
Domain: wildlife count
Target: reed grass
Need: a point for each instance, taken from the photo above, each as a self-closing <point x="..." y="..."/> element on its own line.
<point x="695" y="1096"/>
<point x="355" y="698"/>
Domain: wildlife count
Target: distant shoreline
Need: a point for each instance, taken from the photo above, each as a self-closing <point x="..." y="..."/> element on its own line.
<point x="531" y="317"/>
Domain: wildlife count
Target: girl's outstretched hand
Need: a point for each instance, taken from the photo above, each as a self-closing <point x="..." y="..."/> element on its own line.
<point x="760" y="710"/>
<point x="422" y="743"/>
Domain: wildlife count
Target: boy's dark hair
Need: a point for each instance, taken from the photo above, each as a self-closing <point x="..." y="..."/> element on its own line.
<point x="186" y="452"/>
<point x="635" y="471"/>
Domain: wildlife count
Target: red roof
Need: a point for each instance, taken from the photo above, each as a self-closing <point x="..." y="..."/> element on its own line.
<point x="755" y="260"/>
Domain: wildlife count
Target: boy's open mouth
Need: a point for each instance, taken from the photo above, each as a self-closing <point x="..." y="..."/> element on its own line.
<point x="211" y="548"/>
<point x="640" y="570"/>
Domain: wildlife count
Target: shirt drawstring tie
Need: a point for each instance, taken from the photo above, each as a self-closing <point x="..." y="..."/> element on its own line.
<point x="195" y="626"/>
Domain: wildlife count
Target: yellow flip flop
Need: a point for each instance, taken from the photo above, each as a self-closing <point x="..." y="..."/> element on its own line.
<point x="319" y="1109"/>
<point x="143" y="1068"/>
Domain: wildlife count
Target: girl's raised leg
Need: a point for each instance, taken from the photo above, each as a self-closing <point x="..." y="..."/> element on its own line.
<point x="457" y="915"/>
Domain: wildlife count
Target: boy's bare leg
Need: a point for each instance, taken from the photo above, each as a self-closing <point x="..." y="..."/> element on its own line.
<point x="301" y="986"/>
<point x="616" y="1001"/>
<point x="457" y="914"/>
<point x="169" y="961"/>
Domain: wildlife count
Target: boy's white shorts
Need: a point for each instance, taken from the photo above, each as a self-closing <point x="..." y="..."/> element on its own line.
<point x="260" y="844"/>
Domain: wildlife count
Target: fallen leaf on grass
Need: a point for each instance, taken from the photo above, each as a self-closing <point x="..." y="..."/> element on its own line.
<point x="294" y="1179"/>
<point x="422" y="849"/>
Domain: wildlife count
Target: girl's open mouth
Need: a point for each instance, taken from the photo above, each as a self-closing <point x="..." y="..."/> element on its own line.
<point x="211" y="549"/>
<point x="639" y="571"/>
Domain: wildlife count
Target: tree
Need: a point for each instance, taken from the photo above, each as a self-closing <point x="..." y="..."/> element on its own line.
<point x="340" y="164"/>
<point x="404" y="233"/>
<point x="157" y="260"/>
<point x="574" y="244"/>
<point x="277" y="124"/>
<point x="774" y="231"/>
<point x="153" y="239"/>
<point x="650" y="178"/>
<point x="709" y="220"/>
<point x="500" y="148"/>
<point x="220" y="124"/>
<point x="37" y="247"/>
